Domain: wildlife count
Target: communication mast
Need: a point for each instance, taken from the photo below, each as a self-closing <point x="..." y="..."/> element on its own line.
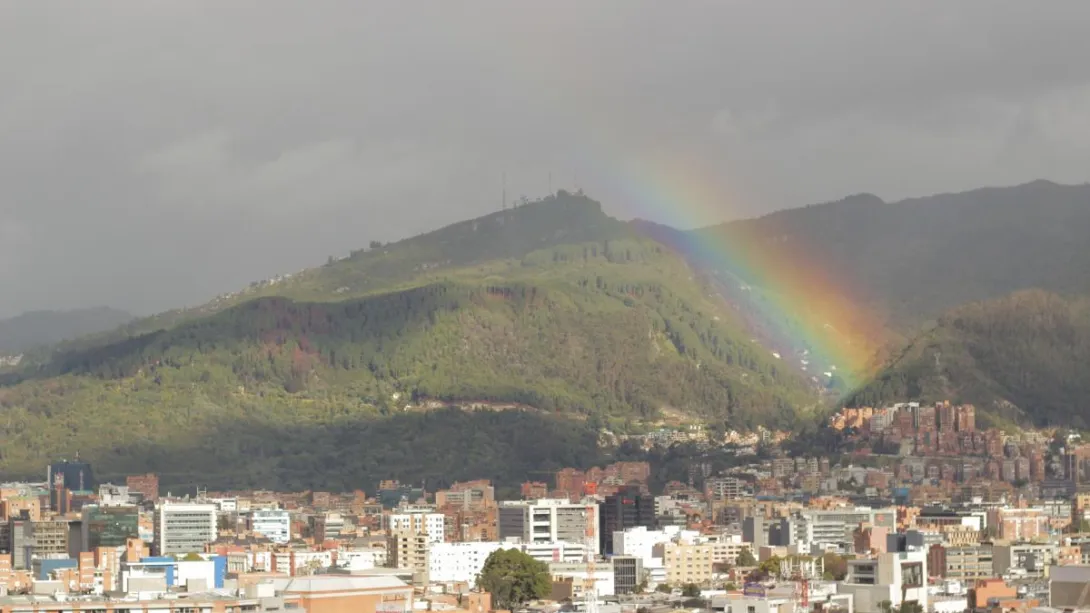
<point x="802" y="592"/>
<point x="590" y="591"/>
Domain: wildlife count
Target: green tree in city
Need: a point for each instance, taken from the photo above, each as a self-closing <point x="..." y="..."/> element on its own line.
<point x="836" y="566"/>
<point x="770" y="567"/>
<point x="745" y="558"/>
<point x="514" y="578"/>
<point x="690" y="590"/>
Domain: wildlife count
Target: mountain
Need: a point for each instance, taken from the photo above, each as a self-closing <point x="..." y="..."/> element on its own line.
<point x="36" y="328"/>
<point x="909" y="261"/>
<point x="865" y="274"/>
<point x="551" y="308"/>
<point x="1023" y="358"/>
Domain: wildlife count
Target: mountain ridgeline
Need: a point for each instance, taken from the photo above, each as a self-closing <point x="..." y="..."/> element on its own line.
<point x="40" y="328"/>
<point x="551" y="307"/>
<point x="554" y="319"/>
<point x="911" y="261"/>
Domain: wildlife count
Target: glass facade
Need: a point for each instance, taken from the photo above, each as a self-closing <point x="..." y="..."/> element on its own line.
<point x="110" y="526"/>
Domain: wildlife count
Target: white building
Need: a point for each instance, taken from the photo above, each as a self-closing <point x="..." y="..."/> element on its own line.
<point x="548" y="521"/>
<point x="639" y="542"/>
<point x="558" y="551"/>
<point x="225" y="505"/>
<point x="459" y="561"/>
<point x="273" y="524"/>
<point x="110" y="495"/>
<point x="184" y="528"/>
<point x="896" y="577"/>
<point x="418" y="520"/>
<point x="363" y="559"/>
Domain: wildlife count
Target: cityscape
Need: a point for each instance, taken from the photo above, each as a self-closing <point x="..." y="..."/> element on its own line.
<point x="544" y="307"/>
<point x="950" y="519"/>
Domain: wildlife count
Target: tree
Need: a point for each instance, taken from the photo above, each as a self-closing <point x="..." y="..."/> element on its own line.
<point x="514" y="578"/>
<point x="746" y="558"/>
<point x="770" y="567"/>
<point x="663" y="588"/>
<point x="192" y="557"/>
<point x="836" y="566"/>
<point x="910" y="606"/>
<point x="690" y="590"/>
<point x="376" y="245"/>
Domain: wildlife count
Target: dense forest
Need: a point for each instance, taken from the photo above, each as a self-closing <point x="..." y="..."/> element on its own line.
<point x="1023" y="358"/>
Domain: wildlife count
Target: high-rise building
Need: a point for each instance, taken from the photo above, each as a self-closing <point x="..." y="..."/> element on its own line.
<point x="546" y="521"/>
<point x="627" y="574"/>
<point x="184" y="528"/>
<point x="109" y="526"/>
<point x="627" y="508"/>
<point x="48" y="539"/>
<point x="407" y="549"/>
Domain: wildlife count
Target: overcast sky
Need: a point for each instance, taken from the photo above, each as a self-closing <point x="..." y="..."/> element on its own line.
<point x="154" y="154"/>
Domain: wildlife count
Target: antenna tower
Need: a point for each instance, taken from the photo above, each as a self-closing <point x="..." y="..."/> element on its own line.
<point x="590" y="591"/>
<point x="503" y="198"/>
<point x="802" y="592"/>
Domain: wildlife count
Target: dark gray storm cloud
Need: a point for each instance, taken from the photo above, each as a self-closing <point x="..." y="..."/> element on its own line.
<point x="153" y="154"/>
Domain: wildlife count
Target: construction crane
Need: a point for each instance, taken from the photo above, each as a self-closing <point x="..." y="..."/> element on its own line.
<point x="590" y="589"/>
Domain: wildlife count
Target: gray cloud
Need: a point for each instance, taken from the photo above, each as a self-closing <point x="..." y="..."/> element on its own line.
<point x="153" y="154"/>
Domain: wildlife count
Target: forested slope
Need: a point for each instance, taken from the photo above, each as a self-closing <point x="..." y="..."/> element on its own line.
<point x="1024" y="357"/>
<point x="604" y="332"/>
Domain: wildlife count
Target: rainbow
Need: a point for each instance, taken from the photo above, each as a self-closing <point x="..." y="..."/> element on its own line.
<point x="802" y="304"/>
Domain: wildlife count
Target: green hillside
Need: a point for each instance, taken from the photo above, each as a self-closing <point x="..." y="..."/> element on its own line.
<point x="1023" y="358"/>
<point x="551" y="307"/>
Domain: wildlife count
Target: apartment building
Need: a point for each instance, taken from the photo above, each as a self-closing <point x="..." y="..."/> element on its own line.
<point x="686" y="562"/>
<point x="467" y="495"/>
<point x="418" y="520"/>
<point x="1019" y="524"/>
<point x="965" y="563"/>
<point x="408" y="549"/>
